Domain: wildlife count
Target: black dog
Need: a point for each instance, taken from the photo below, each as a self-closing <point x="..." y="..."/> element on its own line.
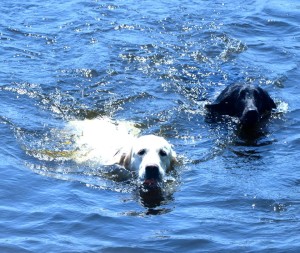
<point x="247" y="102"/>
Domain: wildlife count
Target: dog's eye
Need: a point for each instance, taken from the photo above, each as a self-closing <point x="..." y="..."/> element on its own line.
<point x="162" y="153"/>
<point x="142" y="152"/>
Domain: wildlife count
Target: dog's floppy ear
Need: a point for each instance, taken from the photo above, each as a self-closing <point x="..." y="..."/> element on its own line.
<point x="213" y="106"/>
<point x="124" y="159"/>
<point x="225" y="102"/>
<point x="174" y="160"/>
<point x="269" y="103"/>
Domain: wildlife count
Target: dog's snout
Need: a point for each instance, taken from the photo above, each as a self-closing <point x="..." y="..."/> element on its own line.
<point x="152" y="172"/>
<point x="250" y="117"/>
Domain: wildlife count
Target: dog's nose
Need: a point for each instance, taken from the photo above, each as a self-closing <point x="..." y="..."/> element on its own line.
<point x="250" y="117"/>
<point x="152" y="172"/>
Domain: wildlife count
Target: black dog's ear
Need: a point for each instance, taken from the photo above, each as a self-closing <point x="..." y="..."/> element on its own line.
<point x="272" y="104"/>
<point x="212" y="107"/>
<point x="269" y="103"/>
<point x="223" y="107"/>
<point x="219" y="108"/>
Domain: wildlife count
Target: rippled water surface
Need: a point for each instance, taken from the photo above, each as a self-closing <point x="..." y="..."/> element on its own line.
<point x="155" y="63"/>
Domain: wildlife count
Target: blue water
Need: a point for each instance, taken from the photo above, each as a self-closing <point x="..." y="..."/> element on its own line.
<point x="155" y="63"/>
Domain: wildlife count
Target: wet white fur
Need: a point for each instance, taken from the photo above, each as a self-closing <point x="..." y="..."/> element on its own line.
<point x="108" y="142"/>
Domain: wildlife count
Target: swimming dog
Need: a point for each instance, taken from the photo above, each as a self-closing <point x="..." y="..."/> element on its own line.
<point x="249" y="103"/>
<point x="150" y="157"/>
<point x="108" y="142"/>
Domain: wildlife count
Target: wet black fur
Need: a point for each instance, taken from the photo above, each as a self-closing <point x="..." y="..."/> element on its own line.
<point x="249" y="103"/>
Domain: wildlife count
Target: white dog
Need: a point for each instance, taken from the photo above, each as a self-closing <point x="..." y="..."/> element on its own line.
<point x="107" y="142"/>
<point x="150" y="157"/>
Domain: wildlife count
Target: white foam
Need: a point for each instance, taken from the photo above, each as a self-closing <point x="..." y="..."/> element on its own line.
<point x="282" y="107"/>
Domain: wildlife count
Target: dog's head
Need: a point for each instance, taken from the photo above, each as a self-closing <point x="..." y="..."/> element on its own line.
<point x="252" y="104"/>
<point x="150" y="157"/>
<point x="247" y="102"/>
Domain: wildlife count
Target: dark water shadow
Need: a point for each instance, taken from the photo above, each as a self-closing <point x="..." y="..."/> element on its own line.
<point x="153" y="197"/>
<point x="155" y="200"/>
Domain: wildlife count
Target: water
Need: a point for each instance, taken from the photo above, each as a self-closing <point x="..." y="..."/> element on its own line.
<point x="156" y="64"/>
